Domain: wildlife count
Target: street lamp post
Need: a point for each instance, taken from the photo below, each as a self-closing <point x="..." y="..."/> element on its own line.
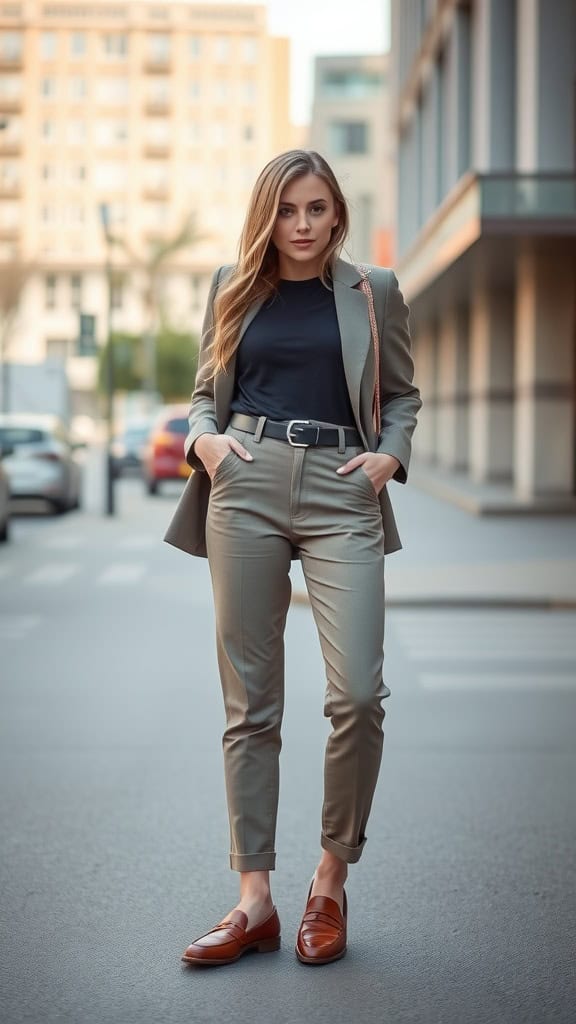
<point x="109" y="375"/>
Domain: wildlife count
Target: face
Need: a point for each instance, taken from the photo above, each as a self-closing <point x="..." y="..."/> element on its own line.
<point x="306" y="215"/>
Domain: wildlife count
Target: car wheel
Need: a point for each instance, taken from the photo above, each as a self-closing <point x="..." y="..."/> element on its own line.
<point x="152" y="486"/>
<point x="60" y="507"/>
<point x="5" y="531"/>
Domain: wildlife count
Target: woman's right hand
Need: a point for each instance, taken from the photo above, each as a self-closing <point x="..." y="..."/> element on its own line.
<point x="211" y="449"/>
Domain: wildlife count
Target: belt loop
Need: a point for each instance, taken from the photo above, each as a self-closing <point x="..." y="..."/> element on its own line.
<point x="341" y="441"/>
<point x="260" y="428"/>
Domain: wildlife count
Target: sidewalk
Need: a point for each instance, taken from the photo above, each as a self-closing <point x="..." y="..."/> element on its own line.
<point x="452" y="557"/>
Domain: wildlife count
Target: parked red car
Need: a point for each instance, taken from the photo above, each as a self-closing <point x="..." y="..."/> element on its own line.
<point x="164" y="452"/>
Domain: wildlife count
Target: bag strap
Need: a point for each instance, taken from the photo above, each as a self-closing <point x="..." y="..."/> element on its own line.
<point x="366" y="287"/>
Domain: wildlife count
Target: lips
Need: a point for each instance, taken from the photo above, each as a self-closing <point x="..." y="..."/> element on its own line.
<point x="304" y="241"/>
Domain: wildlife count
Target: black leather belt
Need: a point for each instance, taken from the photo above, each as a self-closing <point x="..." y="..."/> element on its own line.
<point x="298" y="433"/>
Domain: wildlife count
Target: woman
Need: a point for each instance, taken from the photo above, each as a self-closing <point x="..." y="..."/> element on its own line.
<point x="289" y="466"/>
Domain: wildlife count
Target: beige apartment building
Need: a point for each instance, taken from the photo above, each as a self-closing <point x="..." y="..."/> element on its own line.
<point x="485" y="117"/>
<point x="350" y="127"/>
<point x="163" y="112"/>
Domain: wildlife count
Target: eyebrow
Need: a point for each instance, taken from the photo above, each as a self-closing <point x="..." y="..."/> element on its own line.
<point x="311" y="203"/>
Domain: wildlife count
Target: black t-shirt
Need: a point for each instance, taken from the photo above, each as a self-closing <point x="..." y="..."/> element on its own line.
<point x="289" y="362"/>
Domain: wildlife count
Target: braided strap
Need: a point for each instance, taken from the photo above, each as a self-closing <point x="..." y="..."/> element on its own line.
<point x="366" y="287"/>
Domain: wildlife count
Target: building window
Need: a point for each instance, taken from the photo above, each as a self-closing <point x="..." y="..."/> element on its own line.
<point x="76" y="291"/>
<point x="77" y="172"/>
<point x="115" y="44"/>
<point x="10" y="87"/>
<point x="159" y="48"/>
<point x="248" y="133"/>
<point x="48" y="172"/>
<point x="48" y="88"/>
<point x="158" y="91"/>
<point x="48" y="130"/>
<point x="219" y="133"/>
<point x="50" y="291"/>
<point x="110" y="175"/>
<point x="76" y="132"/>
<point x="78" y="44"/>
<point x="194" y="47"/>
<point x="157" y="131"/>
<point x="249" y="91"/>
<point x="48" y="45"/>
<point x="222" y="48"/>
<point x="351" y="83"/>
<point x="77" y="88"/>
<point x="194" y="89"/>
<point x="194" y="132"/>
<point x="112" y="90"/>
<point x="250" y="50"/>
<point x="221" y="90"/>
<point x="348" y="137"/>
<point x="110" y="132"/>
<point x="10" y="173"/>
<point x="11" y="45"/>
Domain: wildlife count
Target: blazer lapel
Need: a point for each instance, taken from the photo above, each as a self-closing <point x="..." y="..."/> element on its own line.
<point x="224" y="381"/>
<point x="355" y="336"/>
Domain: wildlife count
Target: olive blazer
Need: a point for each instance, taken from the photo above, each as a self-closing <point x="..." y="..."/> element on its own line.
<point x="399" y="397"/>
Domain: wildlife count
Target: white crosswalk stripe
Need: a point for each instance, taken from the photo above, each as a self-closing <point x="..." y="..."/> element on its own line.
<point x="63" y="543"/>
<point x="139" y="542"/>
<point x="120" y="574"/>
<point x="451" y="649"/>
<point x="52" y="573"/>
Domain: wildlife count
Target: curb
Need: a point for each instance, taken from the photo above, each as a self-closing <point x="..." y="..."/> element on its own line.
<point x="552" y="604"/>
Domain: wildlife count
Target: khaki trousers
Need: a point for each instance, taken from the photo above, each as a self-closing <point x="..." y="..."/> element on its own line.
<point x="260" y="513"/>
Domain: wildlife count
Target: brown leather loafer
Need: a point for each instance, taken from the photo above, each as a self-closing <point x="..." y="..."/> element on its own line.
<point x="230" y="939"/>
<point x="322" y="933"/>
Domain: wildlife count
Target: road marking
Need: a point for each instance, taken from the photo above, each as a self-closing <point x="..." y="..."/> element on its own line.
<point x="122" y="573"/>
<point x="503" y="681"/>
<point x="139" y="542"/>
<point x="62" y="543"/>
<point x="52" y="573"/>
<point x="17" y="627"/>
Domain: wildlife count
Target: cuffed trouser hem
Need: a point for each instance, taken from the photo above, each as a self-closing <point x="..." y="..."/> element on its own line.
<point x="253" y="861"/>
<point x="349" y="854"/>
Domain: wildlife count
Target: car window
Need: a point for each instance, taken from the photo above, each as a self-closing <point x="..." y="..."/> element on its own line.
<point x="20" y="435"/>
<point x="178" y="426"/>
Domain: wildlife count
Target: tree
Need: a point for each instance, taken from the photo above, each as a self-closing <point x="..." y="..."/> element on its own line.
<point x="152" y="268"/>
<point x="176" y="361"/>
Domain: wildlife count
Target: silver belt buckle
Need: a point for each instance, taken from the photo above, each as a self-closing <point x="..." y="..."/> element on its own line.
<point x="297" y="444"/>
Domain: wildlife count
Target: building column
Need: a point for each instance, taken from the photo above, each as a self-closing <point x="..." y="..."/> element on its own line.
<point x="452" y="433"/>
<point x="491" y="383"/>
<point x="426" y="378"/>
<point x="544" y="451"/>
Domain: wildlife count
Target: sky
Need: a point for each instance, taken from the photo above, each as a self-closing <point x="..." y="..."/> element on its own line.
<point x="323" y="27"/>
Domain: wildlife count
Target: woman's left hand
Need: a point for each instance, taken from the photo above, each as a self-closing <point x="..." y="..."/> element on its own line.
<point x="379" y="468"/>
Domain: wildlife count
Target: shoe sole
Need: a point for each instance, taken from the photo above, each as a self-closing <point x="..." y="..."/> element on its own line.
<point x="313" y="961"/>
<point x="265" y="946"/>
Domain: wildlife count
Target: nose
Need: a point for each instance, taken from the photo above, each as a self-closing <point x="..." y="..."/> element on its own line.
<point x="303" y="226"/>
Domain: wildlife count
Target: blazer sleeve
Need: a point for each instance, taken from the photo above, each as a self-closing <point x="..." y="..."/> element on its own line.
<point x="202" y="415"/>
<point x="399" y="397"/>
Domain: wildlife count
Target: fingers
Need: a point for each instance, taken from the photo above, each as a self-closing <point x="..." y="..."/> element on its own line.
<point x="352" y="464"/>
<point x="240" y="450"/>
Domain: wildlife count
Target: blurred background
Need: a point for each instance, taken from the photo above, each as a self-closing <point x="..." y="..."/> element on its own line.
<point x="131" y="133"/>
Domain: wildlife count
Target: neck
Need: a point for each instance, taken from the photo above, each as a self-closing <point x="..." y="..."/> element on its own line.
<point x="290" y="270"/>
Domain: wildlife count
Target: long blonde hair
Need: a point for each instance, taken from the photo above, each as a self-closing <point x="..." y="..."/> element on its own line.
<point x="255" y="275"/>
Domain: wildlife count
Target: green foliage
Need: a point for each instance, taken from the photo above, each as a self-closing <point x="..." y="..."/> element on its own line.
<point x="174" y="372"/>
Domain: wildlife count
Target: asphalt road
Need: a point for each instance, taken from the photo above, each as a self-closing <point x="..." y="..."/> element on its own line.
<point x="114" y="841"/>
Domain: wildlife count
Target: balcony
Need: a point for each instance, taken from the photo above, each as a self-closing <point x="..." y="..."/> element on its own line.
<point x="10" y="105"/>
<point x="10" y="147"/>
<point x="10" y="190"/>
<point x="158" y="107"/>
<point x="11" y="62"/>
<point x="156" y="192"/>
<point x="488" y="206"/>
<point x="157" y="65"/>
<point x="157" y="149"/>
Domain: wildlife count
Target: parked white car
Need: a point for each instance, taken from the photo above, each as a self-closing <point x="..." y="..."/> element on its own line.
<point x="42" y="463"/>
<point x="4" y="496"/>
